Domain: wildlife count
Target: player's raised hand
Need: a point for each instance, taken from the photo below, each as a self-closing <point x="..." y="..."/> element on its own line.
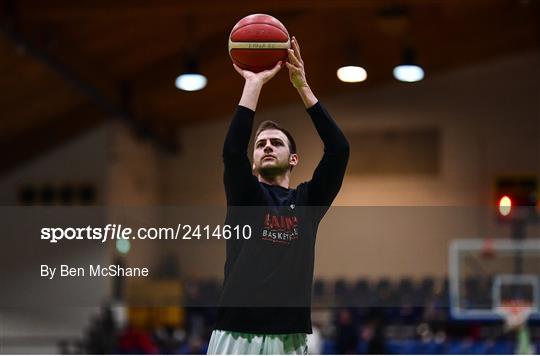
<point x="262" y="77"/>
<point x="254" y="83"/>
<point x="297" y="73"/>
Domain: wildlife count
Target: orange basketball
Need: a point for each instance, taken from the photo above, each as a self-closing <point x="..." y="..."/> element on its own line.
<point x="257" y="42"/>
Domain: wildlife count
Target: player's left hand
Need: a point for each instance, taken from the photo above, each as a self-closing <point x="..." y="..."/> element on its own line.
<point x="297" y="73"/>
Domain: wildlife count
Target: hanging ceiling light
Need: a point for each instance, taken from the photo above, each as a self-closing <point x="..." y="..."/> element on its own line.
<point x="408" y="70"/>
<point x="191" y="79"/>
<point x="351" y="74"/>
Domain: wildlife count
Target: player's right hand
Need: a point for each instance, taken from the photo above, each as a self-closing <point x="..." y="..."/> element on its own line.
<point x="262" y="77"/>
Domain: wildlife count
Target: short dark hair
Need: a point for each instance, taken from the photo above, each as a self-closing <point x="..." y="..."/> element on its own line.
<point x="271" y="125"/>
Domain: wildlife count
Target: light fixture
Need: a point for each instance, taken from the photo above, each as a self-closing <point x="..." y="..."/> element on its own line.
<point x="123" y="246"/>
<point x="408" y="70"/>
<point x="191" y="79"/>
<point x="351" y="74"/>
<point x="505" y="205"/>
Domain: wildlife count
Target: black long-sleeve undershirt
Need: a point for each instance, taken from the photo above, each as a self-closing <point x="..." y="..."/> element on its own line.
<point x="268" y="274"/>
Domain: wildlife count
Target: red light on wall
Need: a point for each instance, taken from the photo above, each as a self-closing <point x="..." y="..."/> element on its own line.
<point x="505" y="205"/>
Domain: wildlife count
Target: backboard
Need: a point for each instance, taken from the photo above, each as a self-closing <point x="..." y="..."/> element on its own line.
<point x="486" y="274"/>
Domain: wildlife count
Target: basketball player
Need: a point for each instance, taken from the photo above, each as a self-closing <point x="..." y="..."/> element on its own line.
<point x="266" y="297"/>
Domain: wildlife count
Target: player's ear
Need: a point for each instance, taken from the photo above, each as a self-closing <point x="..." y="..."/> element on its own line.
<point x="293" y="159"/>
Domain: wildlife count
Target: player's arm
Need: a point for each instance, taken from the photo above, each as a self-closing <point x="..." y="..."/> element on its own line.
<point x="254" y="83"/>
<point x="328" y="175"/>
<point x="240" y="184"/>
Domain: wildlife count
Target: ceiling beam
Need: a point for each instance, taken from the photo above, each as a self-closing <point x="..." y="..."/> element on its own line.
<point x="87" y="89"/>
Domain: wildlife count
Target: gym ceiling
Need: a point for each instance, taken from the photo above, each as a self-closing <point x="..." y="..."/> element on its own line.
<point x="67" y="66"/>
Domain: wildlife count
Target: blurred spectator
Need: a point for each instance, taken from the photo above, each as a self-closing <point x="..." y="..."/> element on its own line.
<point x="102" y="334"/>
<point x="195" y="345"/>
<point x="376" y="345"/>
<point x="346" y="333"/>
<point x="136" y="341"/>
<point x="169" y="339"/>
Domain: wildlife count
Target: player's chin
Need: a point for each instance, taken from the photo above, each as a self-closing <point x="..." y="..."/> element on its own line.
<point x="273" y="169"/>
<point x="269" y="163"/>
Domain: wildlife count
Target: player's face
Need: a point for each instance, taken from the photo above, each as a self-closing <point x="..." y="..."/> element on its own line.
<point x="271" y="154"/>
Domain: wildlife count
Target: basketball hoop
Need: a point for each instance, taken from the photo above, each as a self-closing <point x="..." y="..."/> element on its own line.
<point x="515" y="312"/>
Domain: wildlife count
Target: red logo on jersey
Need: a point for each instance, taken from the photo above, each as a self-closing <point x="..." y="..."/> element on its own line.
<point x="280" y="229"/>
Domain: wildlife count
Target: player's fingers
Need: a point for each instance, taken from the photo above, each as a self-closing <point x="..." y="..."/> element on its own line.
<point x="276" y="68"/>
<point x="270" y="73"/>
<point x="238" y="69"/>
<point x="296" y="47"/>
<point x="292" y="67"/>
<point x="293" y="59"/>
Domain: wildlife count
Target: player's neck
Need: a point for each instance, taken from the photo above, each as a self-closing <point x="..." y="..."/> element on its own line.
<point x="280" y="180"/>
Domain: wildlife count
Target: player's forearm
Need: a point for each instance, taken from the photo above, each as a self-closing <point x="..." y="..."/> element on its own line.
<point x="328" y="176"/>
<point x="333" y="138"/>
<point x="307" y="96"/>
<point x="250" y="94"/>
<point x="237" y="138"/>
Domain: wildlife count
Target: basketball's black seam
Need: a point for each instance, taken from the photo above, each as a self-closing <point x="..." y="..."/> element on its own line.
<point x="260" y="23"/>
<point x="247" y="64"/>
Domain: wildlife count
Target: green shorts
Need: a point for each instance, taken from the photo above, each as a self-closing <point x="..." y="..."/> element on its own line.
<point x="236" y="343"/>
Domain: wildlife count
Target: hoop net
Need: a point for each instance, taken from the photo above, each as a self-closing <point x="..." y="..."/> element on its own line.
<point x="515" y="312"/>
